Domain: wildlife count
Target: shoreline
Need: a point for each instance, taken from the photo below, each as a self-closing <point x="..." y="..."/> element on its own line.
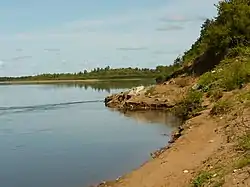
<point x="197" y="146"/>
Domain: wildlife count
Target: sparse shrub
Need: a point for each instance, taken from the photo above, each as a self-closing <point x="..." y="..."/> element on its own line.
<point x="215" y="95"/>
<point x="160" y="79"/>
<point x="229" y="75"/>
<point x="219" y="183"/>
<point x="150" y="91"/>
<point x="182" y="82"/>
<point x="221" y="107"/>
<point x="244" y="142"/>
<point x="189" y="106"/>
<point x="238" y="51"/>
<point x="201" y="179"/>
<point x="194" y="97"/>
<point x="244" y="98"/>
<point x="244" y="146"/>
<point x="234" y="75"/>
<point x="242" y="162"/>
<point x="207" y="79"/>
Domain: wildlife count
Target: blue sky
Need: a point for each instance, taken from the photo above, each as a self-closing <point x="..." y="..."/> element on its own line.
<point x="70" y="36"/>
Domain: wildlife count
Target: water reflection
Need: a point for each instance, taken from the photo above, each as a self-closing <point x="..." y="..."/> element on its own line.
<point x="61" y="130"/>
<point x="153" y="116"/>
<point x="106" y="85"/>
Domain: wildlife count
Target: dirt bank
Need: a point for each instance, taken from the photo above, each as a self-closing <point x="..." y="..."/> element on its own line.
<point x="208" y="152"/>
<point x="163" y="96"/>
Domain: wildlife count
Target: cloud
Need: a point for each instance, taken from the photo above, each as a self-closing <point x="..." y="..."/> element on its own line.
<point x="19" y="58"/>
<point x="124" y="58"/>
<point x="160" y="52"/>
<point x="52" y="49"/>
<point x="182" y="19"/>
<point x="170" y="28"/>
<point x="1" y="63"/>
<point x="132" y="48"/>
<point x="19" y="49"/>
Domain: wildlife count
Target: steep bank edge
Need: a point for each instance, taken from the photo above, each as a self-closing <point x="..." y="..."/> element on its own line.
<point x="204" y="138"/>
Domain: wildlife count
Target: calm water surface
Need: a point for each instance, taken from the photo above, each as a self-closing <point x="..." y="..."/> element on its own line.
<point x="49" y="136"/>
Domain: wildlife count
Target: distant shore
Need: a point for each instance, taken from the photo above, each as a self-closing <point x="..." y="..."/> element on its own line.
<point x="65" y="81"/>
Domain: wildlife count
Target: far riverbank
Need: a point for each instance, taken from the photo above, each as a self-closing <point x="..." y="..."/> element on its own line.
<point x="67" y="81"/>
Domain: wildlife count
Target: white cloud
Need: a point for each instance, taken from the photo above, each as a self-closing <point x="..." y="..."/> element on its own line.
<point x="1" y="63"/>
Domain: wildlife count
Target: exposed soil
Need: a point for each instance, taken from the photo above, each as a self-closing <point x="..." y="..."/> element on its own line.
<point x="207" y="144"/>
<point x="158" y="97"/>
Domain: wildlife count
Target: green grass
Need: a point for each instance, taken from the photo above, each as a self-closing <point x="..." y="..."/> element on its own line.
<point x="201" y="179"/>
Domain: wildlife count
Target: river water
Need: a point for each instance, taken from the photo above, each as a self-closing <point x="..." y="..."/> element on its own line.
<point x="63" y="136"/>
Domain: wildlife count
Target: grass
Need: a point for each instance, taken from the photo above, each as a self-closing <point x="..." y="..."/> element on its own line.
<point x="221" y="107"/>
<point x="201" y="179"/>
<point x="242" y="162"/>
<point x="243" y="145"/>
<point x="244" y="98"/>
<point x="244" y="142"/>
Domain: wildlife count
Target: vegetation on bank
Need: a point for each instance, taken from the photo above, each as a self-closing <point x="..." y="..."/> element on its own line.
<point x="96" y="73"/>
<point x="189" y="106"/>
<point x="223" y="44"/>
<point x="220" y="59"/>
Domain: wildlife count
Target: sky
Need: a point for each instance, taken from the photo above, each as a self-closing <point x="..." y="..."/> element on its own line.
<point x="69" y="36"/>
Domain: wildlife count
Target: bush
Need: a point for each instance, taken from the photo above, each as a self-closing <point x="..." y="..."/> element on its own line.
<point x="229" y="75"/>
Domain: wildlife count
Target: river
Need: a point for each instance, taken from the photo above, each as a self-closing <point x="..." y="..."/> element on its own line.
<point x="63" y="136"/>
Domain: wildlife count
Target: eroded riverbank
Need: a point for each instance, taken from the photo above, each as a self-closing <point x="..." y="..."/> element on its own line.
<point x="204" y="152"/>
